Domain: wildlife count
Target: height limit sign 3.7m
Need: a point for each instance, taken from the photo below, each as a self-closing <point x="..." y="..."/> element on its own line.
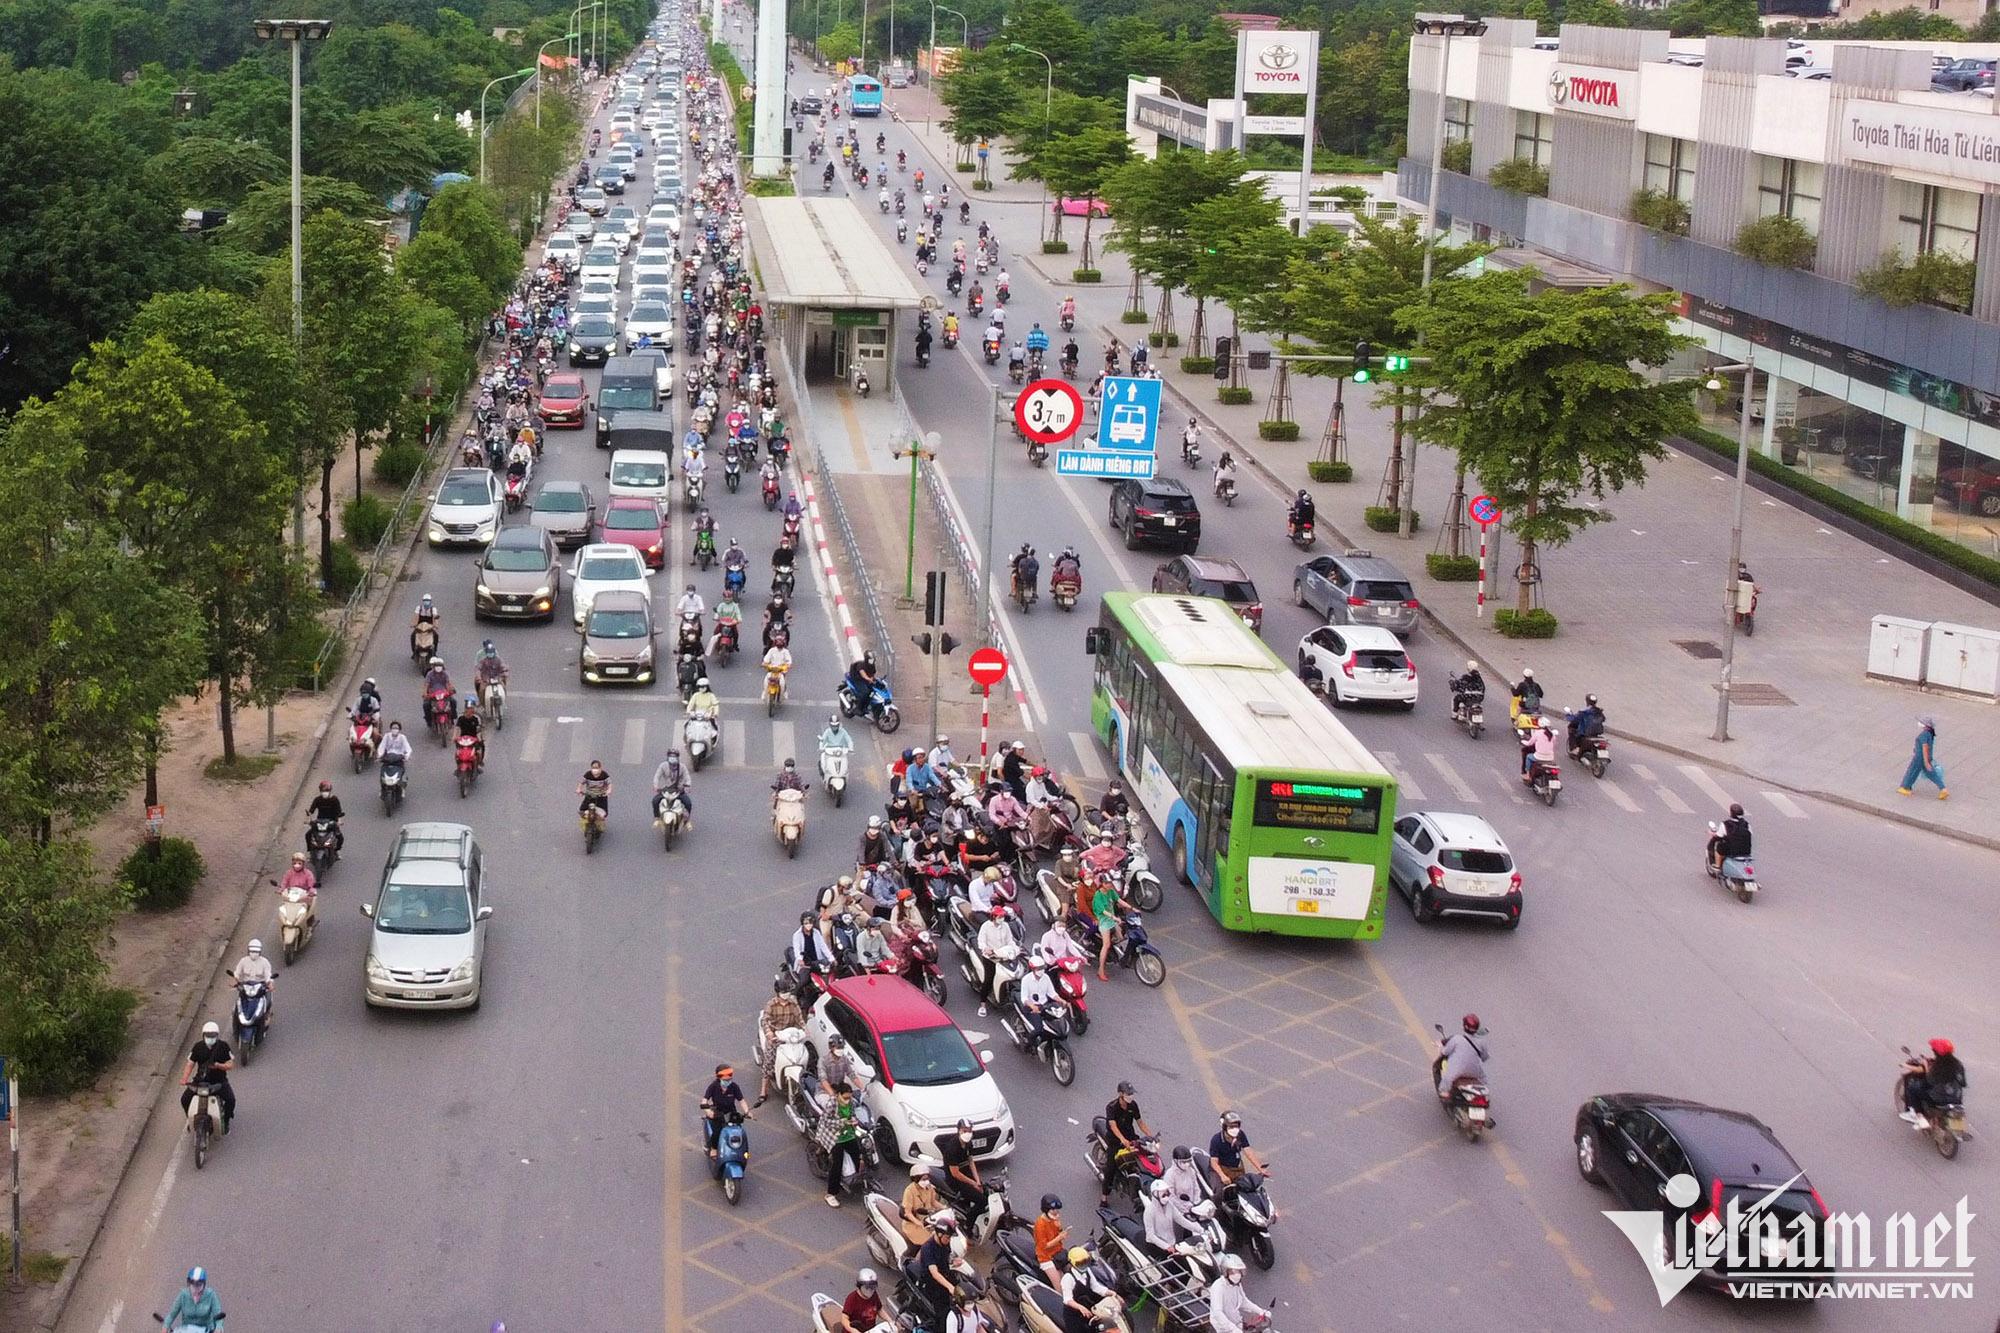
<point x="1048" y="411"/>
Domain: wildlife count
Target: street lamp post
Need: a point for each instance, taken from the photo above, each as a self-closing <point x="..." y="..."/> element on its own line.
<point x="1048" y="102"/>
<point x="538" y="72"/>
<point x="1444" y="27"/>
<point x="965" y="40"/>
<point x="1735" y="543"/>
<point x="517" y="74"/>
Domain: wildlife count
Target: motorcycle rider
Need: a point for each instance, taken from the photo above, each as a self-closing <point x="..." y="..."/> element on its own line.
<point x="930" y="1270"/>
<point x="950" y="326"/>
<point x="690" y="603"/>
<point x="734" y="559"/>
<point x="1036" y="990"/>
<point x="1067" y="315"/>
<point x="1228" y="1306"/>
<point x="327" y="806"/>
<point x="943" y="762"/>
<point x="1183" y="1179"/>
<point x="1017" y="359"/>
<point x="671" y="781"/>
<point x="861" y="678"/>
<point x="1051" y="1239"/>
<point x="368" y="706"/>
<point x="1002" y="951"/>
<point x="427" y="617"/>
<point x="1463" y="1055"/>
<point x="788" y="779"/>
<point x="210" y="1062"/>
<point x="962" y="1178"/>
<point x="923" y="344"/>
<point x="1106" y="907"/>
<point x="861" y="1312"/>
<point x="196" y="1307"/>
<point x="300" y="876"/>
<point x="253" y="966"/>
<point x="809" y="950"/>
<point x="1224" y="471"/>
<point x="722" y="1097"/>
<point x="1165" y="1223"/>
<point x="595" y="789"/>
<point x="395" y="745"/>
<point x="874" y="843"/>
<point x="1733" y="844"/>
<point x="1014" y="769"/>
<point x="1585" y="723"/>
<point x="1300" y="516"/>
<point x="872" y="950"/>
<point x="835" y="736"/>
<point x="921" y="1202"/>
<point x="1541" y="749"/>
<point x="469" y="724"/>
<point x="781" y="1011"/>
<point x="1027" y="569"/>
<point x="1526" y="696"/>
<point x="489" y="670"/>
<point x="1467" y="689"/>
<point x="1009" y="819"/>
<point x="778" y="661"/>
<point x="1229" y="1153"/>
<point x="1081" y="1292"/>
<point x="436" y="681"/>
<point x="1127" y="1125"/>
<point x="1931" y="1081"/>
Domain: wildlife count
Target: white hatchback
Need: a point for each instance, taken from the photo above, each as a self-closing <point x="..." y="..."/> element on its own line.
<point x="601" y="566"/>
<point x="1358" y="663"/>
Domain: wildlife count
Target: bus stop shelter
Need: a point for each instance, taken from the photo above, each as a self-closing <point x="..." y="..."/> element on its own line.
<point x="834" y="292"/>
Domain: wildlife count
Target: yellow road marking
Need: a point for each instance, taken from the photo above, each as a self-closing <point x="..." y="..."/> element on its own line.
<point x="1204" y="1066"/>
<point x="674" y="1294"/>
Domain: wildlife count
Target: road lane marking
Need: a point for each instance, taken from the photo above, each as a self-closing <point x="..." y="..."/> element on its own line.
<point x="1708" y="785"/>
<point x="579" y="740"/>
<point x="1409" y="785"/>
<point x="1786" y="806"/>
<point x="1087" y="761"/>
<point x="1671" y="799"/>
<point x="1509" y="1164"/>
<point x="538" y="738"/>
<point x="674" y="1145"/>
<point x="1512" y="785"/>
<point x="632" y="749"/>
<point x="784" y="743"/>
<point x="733" y="745"/>
<point x="1459" y="787"/>
<point x="1618" y="796"/>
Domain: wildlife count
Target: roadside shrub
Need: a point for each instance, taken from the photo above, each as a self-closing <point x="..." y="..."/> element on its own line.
<point x="363" y="520"/>
<point x="397" y="463"/>
<point x="164" y="882"/>
<point x="1387" y="518"/>
<point x="1197" y="365"/>
<point x="1452" y="568"/>
<point x="982" y="185"/>
<point x="1277" y="430"/>
<point x="1135" y="317"/>
<point x="1536" y="624"/>
<point x="1321" y="470"/>
<point x="1235" y="397"/>
<point x="1055" y="247"/>
<point x="343" y="574"/>
<point x="1086" y="275"/>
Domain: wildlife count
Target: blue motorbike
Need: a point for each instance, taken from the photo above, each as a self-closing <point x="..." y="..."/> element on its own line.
<point x="880" y="707"/>
<point x="732" y="579"/>
<point x="731" y="1161"/>
<point x="1131" y="949"/>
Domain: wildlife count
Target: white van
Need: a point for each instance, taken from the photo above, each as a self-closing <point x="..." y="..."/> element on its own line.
<point x="642" y="472"/>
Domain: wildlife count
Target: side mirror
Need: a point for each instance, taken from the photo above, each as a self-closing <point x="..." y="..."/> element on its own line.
<point x="368" y="910"/>
<point x="579" y="629"/>
<point x="985" y="1057"/>
<point x="483" y="913"/>
<point x="1091" y="639"/>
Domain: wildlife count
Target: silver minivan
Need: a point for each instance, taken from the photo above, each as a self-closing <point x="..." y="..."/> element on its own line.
<point x="1356" y="588"/>
<point x="429" y="918"/>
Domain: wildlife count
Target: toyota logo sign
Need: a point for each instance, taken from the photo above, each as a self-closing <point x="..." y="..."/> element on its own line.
<point x="1558" y="87"/>
<point x="1278" y="58"/>
<point x="1276" y="61"/>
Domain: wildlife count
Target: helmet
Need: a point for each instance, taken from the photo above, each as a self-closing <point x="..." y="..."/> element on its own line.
<point x="1472" y="664"/>
<point x="1160" y="1189"/>
<point x="1470" y="1023"/>
<point x="369" y="684"/>
<point x="1527" y="673"/>
<point x="1940" y="1046"/>
<point x="791" y="764"/>
<point x="1183" y="1153"/>
<point x="866" y="1278"/>
<point x="1051" y="1203"/>
<point x="1231" y="1120"/>
<point x="211" y="1029"/>
<point x="918" y="1171"/>
<point x="1231" y="1264"/>
<point x="437" y="661"/>
<point x="836" y="1042"/>
<point x="1125" y="1088"/>
<point x="1735" y="809"/>
<point x="1543" y="722"/>
<point x="999" y="911"/>
<point x="298" y="856"/>
<point x="964" y="1125"/>
<point x="1590" y="700"/>
<point x="471" y="702"/>
<point x="944" y="1224"/>
<point x="1078" y="1255"/>
<point x="326" y="786"/>
<point x="486" y="646"/>
<point x="256" y="946"/>
<point x="874" y="821"/>
<point x="425" y="600"/>
<point x="197" y="1274"/>
<point x="701" y="682"/>
<point x="1038" y="771"/>
<point x="844" y="882"/>
<point x="991" y="874"/>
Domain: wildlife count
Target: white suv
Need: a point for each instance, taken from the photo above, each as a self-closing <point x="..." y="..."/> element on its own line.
<point x="466" y="509"/>
<point x="429" y="921"/>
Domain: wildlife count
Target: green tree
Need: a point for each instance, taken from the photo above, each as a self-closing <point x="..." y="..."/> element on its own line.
<point x="467" y="215"/>
<point x="201" y="171"/>
<point x="262" y="223"/>
<point x="437" y="270"/>
<point x="980" y="95"/>
<point x="97" y="645"/>
<point x="56" y="1014"/>
<point x="1543" y="397"/>
<point x="381" y="151"/>
<point x="1243" y="248"/>
<point x="371" y="66"/>
<point x="1151" y="203"/>
<point x="840" y="42"/>
<point x="1076" y="167"/>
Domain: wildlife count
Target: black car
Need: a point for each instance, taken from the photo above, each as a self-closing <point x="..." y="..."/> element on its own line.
<point x="1636" y="1144"/>
<point x="1158" y="510"/>
<point x="592" y="340"/>
<point x="610" y="180"/>
<point x="811" y="106"/>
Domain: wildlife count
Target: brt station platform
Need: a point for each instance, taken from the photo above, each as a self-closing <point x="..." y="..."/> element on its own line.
<point x="836" y="297"/>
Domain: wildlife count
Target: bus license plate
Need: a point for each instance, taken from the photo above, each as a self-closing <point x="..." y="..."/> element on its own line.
<point x="1310" y="906"/>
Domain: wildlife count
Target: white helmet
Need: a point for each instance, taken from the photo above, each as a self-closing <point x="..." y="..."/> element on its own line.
<point x="1231" y="1264"/>
<point x="256" y="946"/>
<point x="1160" y="1189"/>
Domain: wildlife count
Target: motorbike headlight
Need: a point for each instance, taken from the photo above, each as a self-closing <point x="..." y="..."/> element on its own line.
<point x="463" y="972"/>
<point x="1254" y="1215"/>
<point x="376" y="972"/>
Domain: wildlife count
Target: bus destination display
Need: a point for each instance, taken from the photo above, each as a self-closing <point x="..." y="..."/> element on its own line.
<point x="1319" y="805"/>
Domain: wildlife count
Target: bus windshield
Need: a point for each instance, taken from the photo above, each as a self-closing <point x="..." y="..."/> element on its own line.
<point x="864" y="95"/>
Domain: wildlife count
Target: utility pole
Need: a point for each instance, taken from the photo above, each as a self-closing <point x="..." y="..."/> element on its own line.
<point x="984" y="629"/>
<point x="918" y="454"/>
<point x="1735" y="546"/>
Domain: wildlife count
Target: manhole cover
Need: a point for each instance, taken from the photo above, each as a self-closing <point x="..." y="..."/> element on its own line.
<point x="1700" y="648"/>
<point x="1753" y="695"/>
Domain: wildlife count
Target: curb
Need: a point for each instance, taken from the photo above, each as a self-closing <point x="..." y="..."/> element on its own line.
<point x="128" y="1147"/>
<point x="1451" y="635"/>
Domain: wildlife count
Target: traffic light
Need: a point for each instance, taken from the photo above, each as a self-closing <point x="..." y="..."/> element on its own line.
<point x="1393" y="363"/>
<point x="1222" y="349"/>
<point x="946" y="642"/>
<point x="1363" y="355"/>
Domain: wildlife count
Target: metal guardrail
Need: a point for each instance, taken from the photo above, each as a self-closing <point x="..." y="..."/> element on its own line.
<point x="964" y="551"/>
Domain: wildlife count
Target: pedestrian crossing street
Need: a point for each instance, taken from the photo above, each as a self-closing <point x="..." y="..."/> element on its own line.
<point x="1634" y="788"/>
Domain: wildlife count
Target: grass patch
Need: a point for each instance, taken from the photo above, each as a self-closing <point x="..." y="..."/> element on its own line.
<point x="772" y="187"/>
<point x="1536" y="624"/>
<point x="1452" y="568"/>
<point x="1235" y="397"/>
<point x="1962" y="558"/>
<point x="1321" y="470"/>
<point x="247" y="768"/>
<point x="1059" y="248"/>
<point x="1197" y="365"/>
<point x="1136" y="317"/>
<point x="36" y="1265"/>
<point x="1387" y="518"/>
<point x="1277" y="430"/>
<point x="724" y="61"/>
<point x="1086" y="275"/>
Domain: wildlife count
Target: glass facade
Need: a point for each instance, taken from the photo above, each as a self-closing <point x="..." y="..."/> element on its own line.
<point x="1534" y="137"/>
<point x="1670" y="165"/>
<point x="1791" y="189"/>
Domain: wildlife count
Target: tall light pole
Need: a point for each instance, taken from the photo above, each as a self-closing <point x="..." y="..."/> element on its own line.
<point x="1444" y="27"/>
<point x="1048" y="102"/>
<point x="517" y="74"/>
<point x="965" y="40"/>
<point x="1735" y="543"/>
<point x="538" y="72"/>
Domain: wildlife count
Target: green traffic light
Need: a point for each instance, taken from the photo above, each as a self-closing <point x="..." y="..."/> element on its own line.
<point x="1363" y="375"/>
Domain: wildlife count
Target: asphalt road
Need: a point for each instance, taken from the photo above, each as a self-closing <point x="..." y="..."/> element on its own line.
<point x="536" y="1161"/>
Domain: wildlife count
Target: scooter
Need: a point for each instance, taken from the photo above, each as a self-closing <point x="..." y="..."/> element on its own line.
<point x="1050" y="1045"/>
<point x="1469" y="711"/>
<point x="1243" y="1208"/>
<point x="1139" y="1168"/>
<point x="783" y="580"/>
<point x="788" y="821"/>
<point x="394" y="780"/>
<point x="493" y="702"/>
<point x="1225" y="491"/>
<point x="321" y="839"/>
<point x="1134" y="950"/>
<point x="250" y="1020"/>
<point x="1064" y="592"/>
<point x="1044" y="1311"/>
<point x="1190" y="451"/>
<point x="699" y="733"/>
<point x="670" y="819"/>
<point x="731" y="1162"/>
<point x="423" y="646"/>
<point x="1593" y="752"/>
<point x="296" y="920"/>
<point x="861" y="381"/>
<point x="726" y="638"/>
<point x="1545" y="780"/>
<point x="1945" y="1126"/>
<point x="990" y="349"/>
<point x="1301" y="534"/>
<point x="774" y="689"/>
<point x="361" y="738"/>
<point x="466" y="763"/>
<point x="204" y="1118"/>
<point x="833" y="772"/>
<point x="1470" y="1105"/>
<point x="732" y="475"/>
<point x="1736" y="873"/>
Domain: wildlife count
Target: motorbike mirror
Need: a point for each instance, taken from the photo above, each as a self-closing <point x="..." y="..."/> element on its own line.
<point x="368" y="909"/>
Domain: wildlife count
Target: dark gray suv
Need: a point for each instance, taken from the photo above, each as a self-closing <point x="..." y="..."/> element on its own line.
<point x="1356" y="588"/>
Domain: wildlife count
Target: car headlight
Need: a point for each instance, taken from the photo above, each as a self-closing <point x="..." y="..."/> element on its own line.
<point x="589" y="657"/>
<point x="377" y="972"/>
<point x="463" y="972"/>
<point x="646" y="656"/>
<point x="483" y="590"/>
<point x="541" y="592"/>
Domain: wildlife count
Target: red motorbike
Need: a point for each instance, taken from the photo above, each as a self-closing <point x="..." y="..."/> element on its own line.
<point x="770" y="492"/>
<point x="517" y="490"/>
<point x="919" y="966"/>
<point x="437" y="712"/>
<point x="361" y="738"/>
<point x="1064" y="592"/>
<point x="467" y="764"/>
<point x="1071" y="985"/>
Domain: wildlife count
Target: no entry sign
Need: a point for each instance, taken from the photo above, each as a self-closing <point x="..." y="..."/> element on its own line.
<point x="987" y="667"/>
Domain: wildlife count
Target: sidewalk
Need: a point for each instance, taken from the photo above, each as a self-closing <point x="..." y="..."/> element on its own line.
<point x="1639" y="596"/>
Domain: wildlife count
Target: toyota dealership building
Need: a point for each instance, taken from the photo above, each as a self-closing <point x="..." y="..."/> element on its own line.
<point x="1898" y="404"/>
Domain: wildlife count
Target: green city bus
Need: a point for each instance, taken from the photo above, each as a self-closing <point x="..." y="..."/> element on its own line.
<point x="1274" y="812"/>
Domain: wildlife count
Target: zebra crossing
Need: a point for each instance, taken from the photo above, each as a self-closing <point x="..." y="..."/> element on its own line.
<point x="755" y="742"/>
<point x="1631" y="788"/>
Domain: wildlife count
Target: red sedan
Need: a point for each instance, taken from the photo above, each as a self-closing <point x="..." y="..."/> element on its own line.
<point x="1076" y="208"/>
<point x="635" y="521"/>
<point x="564" y="402"/>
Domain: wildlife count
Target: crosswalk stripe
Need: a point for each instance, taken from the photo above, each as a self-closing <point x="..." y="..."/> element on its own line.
<point x="1511" y="784"/>
<point x="732" y="742"/>
<point x="580" y="739"/>
<point x="632" y="749"/>
<point x="1458" y="785"/>
<point x="1409" y="785"/>
<point x="538" y="737"/>
<point x="1708" y="785"/>
<point x="1643" y="773"/>
<point x="1087" y="761"/>
<point x="1618" y="796"/>
<point x="1672" y="801"/>
<point x="783" y="744"/>
<point x="1786" y="805"/>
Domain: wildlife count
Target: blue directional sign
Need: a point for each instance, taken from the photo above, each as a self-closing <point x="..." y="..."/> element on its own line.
<point x="1130" y="415"/>
<point x="1110" y="464"/>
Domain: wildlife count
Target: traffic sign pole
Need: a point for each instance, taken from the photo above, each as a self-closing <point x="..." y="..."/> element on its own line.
<point x="1485" y="511"/>
<point x="985" y="702"/>
<point x="987" y="667"/>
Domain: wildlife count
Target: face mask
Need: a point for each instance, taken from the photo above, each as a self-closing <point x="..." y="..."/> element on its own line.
<point x="210" y="1041"/>
<point x="965" y="1138"/>
<point x="1236" y="1279"/>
